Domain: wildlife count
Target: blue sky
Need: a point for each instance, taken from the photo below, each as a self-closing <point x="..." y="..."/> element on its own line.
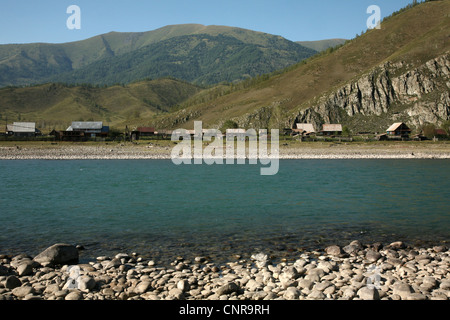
<point x="24" y="21"/>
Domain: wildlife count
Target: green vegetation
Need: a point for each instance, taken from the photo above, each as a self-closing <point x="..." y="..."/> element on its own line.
<point x="57" y="105"/>
<point x="273" y="93"/>
<point x="229" y="124"/>
<point x="194" y="53"/>
<point x="322" y="45"/>
<point x="413" y="37"/>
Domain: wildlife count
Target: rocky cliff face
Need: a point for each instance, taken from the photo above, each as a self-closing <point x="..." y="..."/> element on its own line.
<point x="396" y="90"/>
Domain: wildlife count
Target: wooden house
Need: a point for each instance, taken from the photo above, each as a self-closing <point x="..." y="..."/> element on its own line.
<point x="303" y="129"/>
<point x="142" y="132"/>
<point x="332" y="129"/>
<point x="90" y="128"/>
<point x="399" y="129"/>
<point x="22" y="129"/>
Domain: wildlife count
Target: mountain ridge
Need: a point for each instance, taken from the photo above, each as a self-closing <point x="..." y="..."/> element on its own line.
<point x="397" y="73"/>
<point x="24" y="64"/>
<point x="413" y="36"/>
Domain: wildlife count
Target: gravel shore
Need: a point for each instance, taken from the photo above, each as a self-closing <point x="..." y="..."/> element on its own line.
<point x="156" y="151"/>
<point x="352" y="272"/>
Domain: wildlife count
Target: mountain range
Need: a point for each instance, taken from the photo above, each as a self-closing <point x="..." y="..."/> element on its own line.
<point x="397" y="73"/>
<point x="200" y="54"/>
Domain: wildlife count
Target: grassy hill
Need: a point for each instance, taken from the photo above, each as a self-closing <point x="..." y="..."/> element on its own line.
<point x="412" y="37"/>
<point x="56" y="105"/>
<point x="407" y="41"/>
<point x="322" y="45"/>
<point x="203" y="54"/>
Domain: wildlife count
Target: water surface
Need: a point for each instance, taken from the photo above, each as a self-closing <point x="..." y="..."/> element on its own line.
<point x="162" y="210"/>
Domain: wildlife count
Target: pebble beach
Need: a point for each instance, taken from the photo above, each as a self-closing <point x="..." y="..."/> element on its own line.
<point x="353" y="272"/>
<point x="155" y="150"/>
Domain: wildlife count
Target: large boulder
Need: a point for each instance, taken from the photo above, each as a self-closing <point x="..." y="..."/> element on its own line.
<point x="58" y="254"/>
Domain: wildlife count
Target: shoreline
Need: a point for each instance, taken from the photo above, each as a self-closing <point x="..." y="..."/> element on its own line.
<point x="150" y="151"/>
<point x="353" y="272"/>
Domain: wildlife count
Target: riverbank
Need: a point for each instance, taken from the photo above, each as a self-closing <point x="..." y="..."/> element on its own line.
<point x="162" y="150"/>
<point x="352" y="272"/>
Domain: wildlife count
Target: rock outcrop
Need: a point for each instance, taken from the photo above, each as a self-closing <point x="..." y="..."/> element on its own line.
<point x="420" y="94"/>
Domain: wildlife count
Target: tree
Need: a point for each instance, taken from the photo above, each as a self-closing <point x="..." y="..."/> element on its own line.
<point x="229" y="124"/>
<point x="428" y="130"/>
<point x="446" y="126"/>
<point x="346" y="131"/>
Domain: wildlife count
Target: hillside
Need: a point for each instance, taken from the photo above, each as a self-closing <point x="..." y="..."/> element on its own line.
<point x="398" y="73"/>
<point x="202" y="54"/>
<point x="56" y="106"/>
<point x="322" y="45"/>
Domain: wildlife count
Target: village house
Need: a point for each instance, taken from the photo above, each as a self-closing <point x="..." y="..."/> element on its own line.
<point x="332" y="129"/>
<point x="22" y="129"/>
<point x="80" y="130"/>
<point x="399" y="129"/>
<point x="142" y="132"/>
<point x="304" y="129"/>
<point x="89" y="128"/>
<point x="440" y="133"/>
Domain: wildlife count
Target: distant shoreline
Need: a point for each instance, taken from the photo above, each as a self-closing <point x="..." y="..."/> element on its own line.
<point x="161" y="150"/>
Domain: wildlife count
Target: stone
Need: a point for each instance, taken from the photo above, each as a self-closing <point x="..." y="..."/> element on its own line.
<point x="397" y="245"/>
<point x="403" y="290"/>
<point x="199" y="259"/>
<point x="183" y="285"/>
<point x="377" y="246"/>
<point x="74" y="295"/>
<point x="329" y="290"/>
<point x="349" y="293"/>
<point x="122" y="256"/>
<point x="22" y="291"/>
<point x="114" y="263"/>
<point x="351" y="249"/>
<point x="321" y="286"/>
<point x="372" y="256"/>
<point x="445" y="285"/>
<point x="58" y="254"/>
<point x="176" y="294"/>
<point x="316" y="271"/>
<point x="395" y="261"/>
<point x="253" y="285"/>
<point x="305" y="284"/>
<point x="429" y="281"/>
<point x="25" y="268"/>
<point x="227" y="289"/>
<point x="316" y="295"/>
<point x="61" y="293"/>
<point x="108" y="292"/>
<point x="12" y="282"/>
<point x="416" y="296"/>
<point x="86" y="283"/>
<point x="291" y="293"/>
<point x="439" y="249"/>
<point x="31" y="297"/>
<point x="52" y="288"/>
<point x="366" y="293"/>
<point x="3" y="271"/>
<point x="333" y="250"/>
<point x="142" y="287"/>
